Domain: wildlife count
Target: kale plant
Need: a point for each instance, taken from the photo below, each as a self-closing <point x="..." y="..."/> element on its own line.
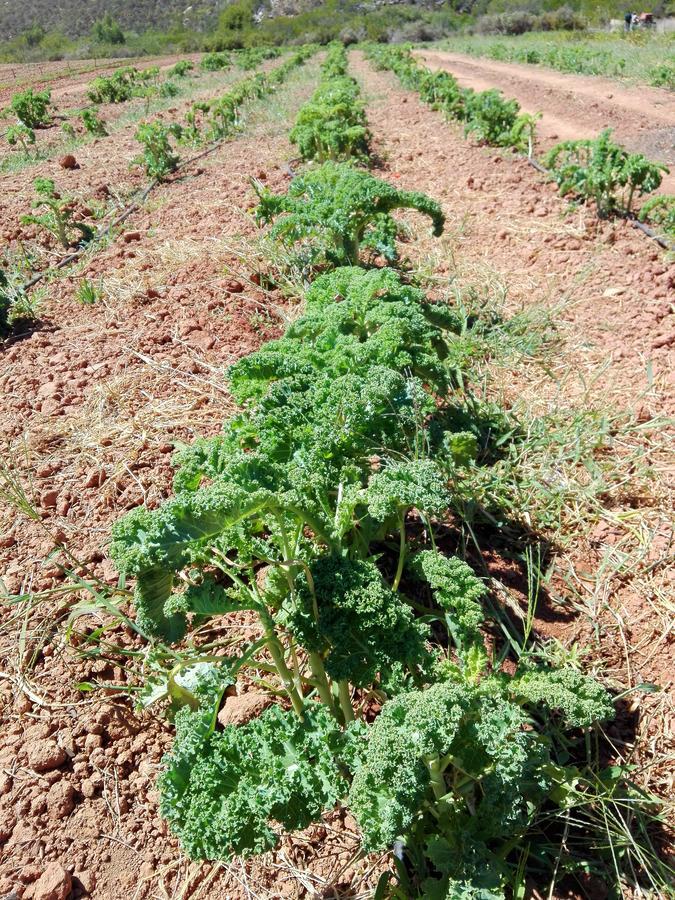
<point x="159" y="158"/>
<point x="335" y="210"/>
<point x="22" y="135"/>
<point x="31" y="108"/>
<point x="58" y="216"/>
<point x="604" y="172"/>
<point x="93" y="123"/>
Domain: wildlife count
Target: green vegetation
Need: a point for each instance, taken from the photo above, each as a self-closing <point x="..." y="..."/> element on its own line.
<point x="107" y="31"/>
<point x="604" y="172"/>
<point x="58" y="216"/>
<point x="31" y="108"/>
<point x="643" y="57"/>
<point x="215" y="62"/>
<point x="334" y="211"/>
<point x="22" y="135"/>
<point x="181" y="69"/>
<point x="660" y="213"/>
<point x="332" y="125"/>
<point x="119" y="87"/>
<point x="159" y="158"/>
<point x="93" y="123"/>
<point x="494" y="119"/>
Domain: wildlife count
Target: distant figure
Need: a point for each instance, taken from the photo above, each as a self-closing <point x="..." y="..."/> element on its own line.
<point x="635" y="22"/>
<point x="628" y="19"/>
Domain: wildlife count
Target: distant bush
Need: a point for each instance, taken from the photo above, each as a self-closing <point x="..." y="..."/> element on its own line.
<point x="520" y="22"/>
<point x="107" y="31"/>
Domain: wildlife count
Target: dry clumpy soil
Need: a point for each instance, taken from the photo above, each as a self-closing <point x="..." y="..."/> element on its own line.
<point x="95" y="399"/>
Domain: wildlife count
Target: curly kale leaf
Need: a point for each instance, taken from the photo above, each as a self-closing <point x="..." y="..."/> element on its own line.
<point x="389" y="789"/>
<point x="398" y="487"/>
<point x="457" y="590"/>
<point x="348" y="613"/>
<point x="153" y="546"/>
<point x="581" y="699"/>
<point x="334" y="206"/>
<point x="222" y="792"/>
<point x="354" y="320"/>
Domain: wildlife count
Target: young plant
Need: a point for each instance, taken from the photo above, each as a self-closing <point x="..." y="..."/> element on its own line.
<point x="215" y="62"/>
<point x="58" y="216"/>
<point x="21" y="135"/>
<point x="116" y="88"/>
<point x="335" y="210"/>
<point x="660" y="212"/>
<point x="93" y="123"/>
<point x="159" y="158"/>
<point x="32" y="108"/>
<point x="181" y="69"/>
<point x="88" y="294"/>
<point x="604" y="172"/>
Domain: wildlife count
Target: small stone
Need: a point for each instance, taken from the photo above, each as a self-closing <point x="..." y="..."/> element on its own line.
<point x="7" y="541"/>
<point x="55" y="883"/>
<point x="88" y="788"/>
<point x="60" y="800"/>
<point x="68" y="162"/>
<point x="95" y="477"/>
<point x="45" y="755"/>
<point x="663" y="340"/>
<point x="50" y="406"/>
<point x="87" y="880"/>
<point x="241" y="709"/>
<point x="234" y="287"/>
<point x="48" y="499"/>
<point x="7" y="823"/>
<point x="130" y="236"/>
<point x="201" y="340"/>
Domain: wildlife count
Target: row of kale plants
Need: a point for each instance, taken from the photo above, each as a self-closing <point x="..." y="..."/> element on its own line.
<point x="33" y="109"/>
<point x="321" y="517"/>
<point x="595" y="169"/>
<point x="67" y="220"/>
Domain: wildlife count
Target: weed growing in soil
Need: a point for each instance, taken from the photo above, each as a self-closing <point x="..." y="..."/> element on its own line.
<point x="22" y="135"/>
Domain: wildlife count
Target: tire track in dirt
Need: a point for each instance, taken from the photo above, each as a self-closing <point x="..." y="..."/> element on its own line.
<point x="575" y="106"/>
<point x="611" y="292"/>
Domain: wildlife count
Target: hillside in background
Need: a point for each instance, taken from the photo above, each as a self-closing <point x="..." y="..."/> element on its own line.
<point x="75" y="18"/>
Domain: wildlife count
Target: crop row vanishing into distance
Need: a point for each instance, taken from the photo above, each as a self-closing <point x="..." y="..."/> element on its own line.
<point x="321" y="516"/>
<point x="644" y="57"/>
<point x="70" y="223"/>
<point x="597" y="170"/>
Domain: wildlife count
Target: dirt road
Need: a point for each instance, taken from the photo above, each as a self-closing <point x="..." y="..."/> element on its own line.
<point x="576" y="106"/>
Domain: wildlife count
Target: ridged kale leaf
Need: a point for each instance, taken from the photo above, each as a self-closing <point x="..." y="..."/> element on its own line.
<point x="346" y="611"/>
<point x="224" y="792"/>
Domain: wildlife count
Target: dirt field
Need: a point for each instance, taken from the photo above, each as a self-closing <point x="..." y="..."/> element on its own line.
<point x="96" y="397"/>
<point x="576" y="106"/>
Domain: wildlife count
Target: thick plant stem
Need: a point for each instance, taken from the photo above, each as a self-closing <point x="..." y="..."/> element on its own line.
<point x="321" y="680"/>
<point x="345" y="702"/>
<point x="437" y="780"/>
<point x="401" y="556"/>
<point x="277" y="654"/>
